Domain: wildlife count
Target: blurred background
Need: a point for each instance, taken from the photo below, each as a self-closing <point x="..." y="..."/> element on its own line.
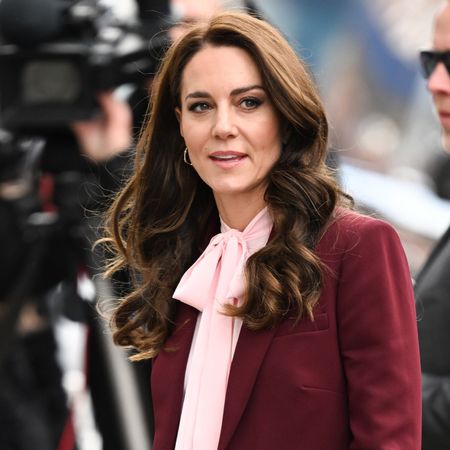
<point x="385" y="143"/>
<point x="383" y="129"/>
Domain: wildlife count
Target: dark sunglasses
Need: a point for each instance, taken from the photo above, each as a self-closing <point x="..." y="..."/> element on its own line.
<point x="430" y="59"/>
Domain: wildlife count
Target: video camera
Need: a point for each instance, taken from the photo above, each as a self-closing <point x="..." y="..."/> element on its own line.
<point x="56" y="55"/>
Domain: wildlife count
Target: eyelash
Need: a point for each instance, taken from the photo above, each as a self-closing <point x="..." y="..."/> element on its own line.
<point x="199" y="106"/>
<point x="194" y="107"/>
<point x="256" y="102"/>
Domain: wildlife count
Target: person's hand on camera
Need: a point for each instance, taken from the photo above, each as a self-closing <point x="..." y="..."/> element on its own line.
<point x="105" y="137"/>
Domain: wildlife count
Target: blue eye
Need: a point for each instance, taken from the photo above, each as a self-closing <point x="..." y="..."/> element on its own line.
<point x="251" y="103"/>
<point x="199" y="107"/>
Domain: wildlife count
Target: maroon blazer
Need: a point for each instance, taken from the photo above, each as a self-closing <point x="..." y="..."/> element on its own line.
<point x="348" y="380"/>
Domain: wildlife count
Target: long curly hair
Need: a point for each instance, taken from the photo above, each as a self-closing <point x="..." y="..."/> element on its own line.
<point x="157" y="225"/>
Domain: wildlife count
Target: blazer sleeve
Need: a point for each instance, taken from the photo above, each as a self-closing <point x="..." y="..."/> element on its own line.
<point x="378" y="339"/>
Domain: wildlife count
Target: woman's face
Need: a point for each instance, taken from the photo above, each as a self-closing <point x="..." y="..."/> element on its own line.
<point x="229" y="124"/>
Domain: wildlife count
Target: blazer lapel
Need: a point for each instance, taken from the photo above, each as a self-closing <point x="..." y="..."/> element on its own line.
<point x="168" y="374"/>
<point x="250" y="351"/>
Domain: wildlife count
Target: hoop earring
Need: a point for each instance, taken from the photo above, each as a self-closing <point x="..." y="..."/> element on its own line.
<point x="186" y="157"/>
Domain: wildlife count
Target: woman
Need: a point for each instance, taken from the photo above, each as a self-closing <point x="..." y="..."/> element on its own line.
<point x="276" y="317"/>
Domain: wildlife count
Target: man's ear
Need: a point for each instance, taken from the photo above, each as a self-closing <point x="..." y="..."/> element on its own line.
<point x="178" y="116"/>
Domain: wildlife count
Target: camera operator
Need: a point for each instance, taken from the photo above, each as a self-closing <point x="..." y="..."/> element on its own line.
<point x="56" y="141"/>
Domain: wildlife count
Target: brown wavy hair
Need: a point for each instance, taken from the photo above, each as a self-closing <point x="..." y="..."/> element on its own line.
<point x="157" y="225"/>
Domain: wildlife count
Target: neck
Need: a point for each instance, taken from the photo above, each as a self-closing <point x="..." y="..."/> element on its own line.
<point x="237" y="213"/>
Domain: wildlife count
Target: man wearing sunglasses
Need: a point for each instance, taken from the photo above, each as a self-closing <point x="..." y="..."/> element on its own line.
<point x="433" y="282"/>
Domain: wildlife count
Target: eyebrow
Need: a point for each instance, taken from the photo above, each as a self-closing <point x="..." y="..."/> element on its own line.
<point x="234" y="92"/>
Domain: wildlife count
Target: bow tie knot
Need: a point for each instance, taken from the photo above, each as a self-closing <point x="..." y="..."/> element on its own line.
<point x="227" y="236"/>
<point x="219" y="269"/>
<point x="218" y="274"/>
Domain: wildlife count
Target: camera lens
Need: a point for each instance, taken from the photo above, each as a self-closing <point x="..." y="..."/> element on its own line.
<point x="50" y="81"/>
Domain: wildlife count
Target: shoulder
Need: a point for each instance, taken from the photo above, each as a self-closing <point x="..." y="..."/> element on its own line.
<point x="348" y="220"/>
<point x="357" y="241"/>
<point x="350" y="230"/>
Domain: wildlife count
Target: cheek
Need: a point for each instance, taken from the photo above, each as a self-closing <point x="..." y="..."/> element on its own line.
<point x="193" y="135"/>
<point x="273" y="149"/>
<point x="193" y="143"/>
<point x="271" y="129"/>
<point x="268" y="155"/>
<point x="274" y="155"/>
<point x="271" y="139"/>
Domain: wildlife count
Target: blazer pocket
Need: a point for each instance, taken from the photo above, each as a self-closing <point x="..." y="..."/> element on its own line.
<point x="323" y="390"/>
<point x="305" y="325"/>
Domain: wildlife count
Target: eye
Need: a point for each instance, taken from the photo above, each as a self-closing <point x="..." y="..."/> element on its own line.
<point x="251" y="102"/>
<point x="199" y="107"/>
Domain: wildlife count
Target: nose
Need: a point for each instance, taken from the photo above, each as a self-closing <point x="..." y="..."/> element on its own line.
<point x="225" y="123"/>
<point x="439" y="81"/>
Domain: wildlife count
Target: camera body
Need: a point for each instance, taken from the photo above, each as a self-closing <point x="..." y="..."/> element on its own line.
<point x="52" y="78"/>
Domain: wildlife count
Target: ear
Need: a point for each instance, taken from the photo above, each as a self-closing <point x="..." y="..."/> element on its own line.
<point x="178" y="116"/>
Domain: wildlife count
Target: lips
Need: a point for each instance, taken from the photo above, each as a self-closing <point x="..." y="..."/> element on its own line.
<point x="227" y="159"/>
<point x="226" y="155"/>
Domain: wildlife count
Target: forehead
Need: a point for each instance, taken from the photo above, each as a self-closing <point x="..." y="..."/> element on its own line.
<point x="441" y="38"/>
<point x="218" y="65"/>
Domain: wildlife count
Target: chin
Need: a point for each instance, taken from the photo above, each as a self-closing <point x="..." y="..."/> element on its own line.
<point x="227" y="187"/>
<point x="227" y="191"/>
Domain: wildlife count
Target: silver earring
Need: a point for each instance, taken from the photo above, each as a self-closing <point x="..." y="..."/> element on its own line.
<point x="186" y="157"/>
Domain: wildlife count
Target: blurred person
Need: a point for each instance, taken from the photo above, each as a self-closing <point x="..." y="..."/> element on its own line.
<point x="34" y="409"/>
<point x="275" y="316"/>
<point x="186" y="12"/>
<point x="433" y="282"/>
